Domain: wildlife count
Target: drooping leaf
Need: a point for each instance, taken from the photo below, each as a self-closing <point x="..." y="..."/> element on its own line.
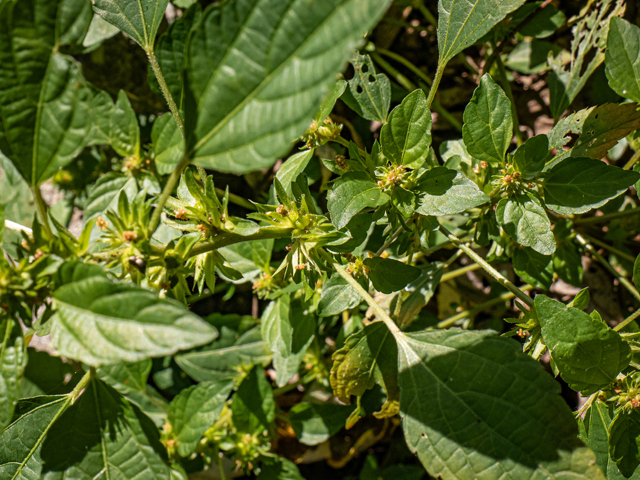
<point x="369" y="356"/>
<point x="315" y="423"/>
<point x="337" y="296"/>
<point x="99" y="321"/>
<point x="588" y="354"/>
<point x="447" y="192"/>
<point x="388" y="275"/>
<point x="13" y="360"/>
<point x="577" y="185"/>
<point x="622" y="58"/>
<point x="193" y="411"/>
<point x="139" y="20"/>
<point x="371" y="90"/>
<point x="100" y="435"/>
<point x="533" y="267"/>
<point x="407" y="136"/>
<point x="253" y="405"/>
<point x="624" y="444"/>
<point x="461" y="24"/>
<point x="467" y="411"/>
<point x="488" y="124"/>
<point x="524" y="219"/>
<point x="44" y="100"/>
<point x="351" y="193"/>
<point x="255" y="80"/>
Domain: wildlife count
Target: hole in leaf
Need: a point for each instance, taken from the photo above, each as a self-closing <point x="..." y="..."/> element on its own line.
<point x="365" y="68"/>
<point x="372" y="79"/>
<point x="573" y="138"/>
<point x="359" y="89"/>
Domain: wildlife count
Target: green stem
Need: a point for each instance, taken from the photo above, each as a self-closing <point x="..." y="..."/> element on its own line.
<point x="607" y="217"/>
<point x="625" y="282"/>
<point x="224" y="239"/>
<point x="42" y="209"/>
<point x="507" y="88"/>
<point x="395" y="330"/>
<point x="488" y="268"/>
<point x="627" y="320"/>
<point x="81" y="384"/>
<point x="400" y="59"/>
<point x="153" y="61"/>
<point x="613" y="250"/>
<point x="460" y="271"/>
<point x="345" y="143"/>
<point x="173" y="180"/>
<point x="479" y="308"/>
<point x="393" y="237"/>
<point x="632" y="161"/>
<point x="236" y="199"/>
<point x="436" y="84"/>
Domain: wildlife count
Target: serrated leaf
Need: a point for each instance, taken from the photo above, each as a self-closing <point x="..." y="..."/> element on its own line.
<point x="225" y="361"/>
<point x="139" y="19"/>
<point x="369" y="356"/>
<point x="371" y="90"/>
<point x="388" y="275"/>
<point x="461" y="24"/>
<point x="13" y="360"/>
<point x="524" y="219"/>
<point x="406" y="138"/>
<point x="577" y="185"/>
<point x="351" y="193"/>
<point x="533" y="267"/>
<point x="315" y="423"/>
<point x="194" y="410"/>
<point x="488" y="124"/>
<point x="44" y="100"/>
<point x="100" y="322"/>
<point x="447" y="192"/>
<point x="588" y="354"/>
<point x="337" y="296"/>
<point x="599" y="129"/>
<point x="99" y="435"/>
<point x="622" y="58"/>
<point x="255" y="80"/>
<point x="467" y="411"/>
<point x="253" y="405"/>
<point x="624" y="445"/>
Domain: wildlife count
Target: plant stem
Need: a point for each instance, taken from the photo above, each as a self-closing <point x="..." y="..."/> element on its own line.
<point x="627" y="320"/>
<point x="436" y="84"/>
<point x="153" y="61"/>
<point x="460" y="271"/>
<point x="16" y="227"/>
<point x="393" y="237"/>
<point x="625" y="282"/>
<point x="613" y="250"/>
<point x="173" y="180"/>
<point x="632" y="161"/>
<point x="608" y="216"/>
<point x="224" y="239"/>
<point x="236" y="199"/>
<point x="478" y="308"/>
<point x="395" y="330"/>
<point x="42" y="210"/>
<point x="345" y="143"/>
<point x="488" y="268"/>
<point x="400" y="59"/>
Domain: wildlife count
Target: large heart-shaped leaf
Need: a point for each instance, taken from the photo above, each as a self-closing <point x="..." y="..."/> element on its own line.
<point x="474" y="406"/>
<point x="256" y="75"/>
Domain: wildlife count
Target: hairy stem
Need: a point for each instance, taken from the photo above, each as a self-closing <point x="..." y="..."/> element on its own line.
<point x="224" y="239"/>
<point x="173" y="180"/>
<point x="153" y="61"/>
<point x="436" y="84"/>
<point x="42" y="209"/>
<point x="488" y="268"/>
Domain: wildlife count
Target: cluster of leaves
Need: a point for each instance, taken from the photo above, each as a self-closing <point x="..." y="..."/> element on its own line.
<point x="133" y="383"/>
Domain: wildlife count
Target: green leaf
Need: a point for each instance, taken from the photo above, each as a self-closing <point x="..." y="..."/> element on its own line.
<point x="351" y="193"/>
<point x="44" y="100"/>
<point x="543" y="24"/>
<point x="530" y="158"/>
<point x="474" y="406"/>
<point x="371" y="90"/>
<point x="337" y="296"/>
<point x="125" y="132"/>
<point x="524" y="219"/>
<point x="488" y="124"/>
<point x="303" y="328"/>
<point x="130" y="379"/>
<point x="276" y="325"/>
<point x="99" y="321"/>
<point x="194" y="410"/>
<point x="388" y="275"/>
<point x="588" y="353"/>
<point x="624" y="441"/>
<point x="531" y="56"/>
<point x="104" y="194"/>
<point x="598" y="129"/>
<point x="21" y="442"/>
<point x="19" y="205"/>
<point x="407" y="136"/>
<point x="330" y="100"/>
<point x="461" y="24"/>
<point x="293" y="167"/>
<point x="447" y="192"/>
<point x="223" y="361"/>
<point x="168" y="143"/>
<point x="533" y="267"/>
<point x="13" y="360"/>
<point x="622" y="58"/>
<point x="369" y="356"/>
<point x="567" y="263"/>
<point x="577" y="185"/>
<point x="139" y="20"/>
<point x="99" y="435"/>
<point x="279" y="468"/>
<point x="636" y="272"/>
<point x="315" y="423"/>
<point x="255" y="81"/>
<point x="420" y="292"/>
<point x="99" y="31"/>
<point x="253" y="405"/>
